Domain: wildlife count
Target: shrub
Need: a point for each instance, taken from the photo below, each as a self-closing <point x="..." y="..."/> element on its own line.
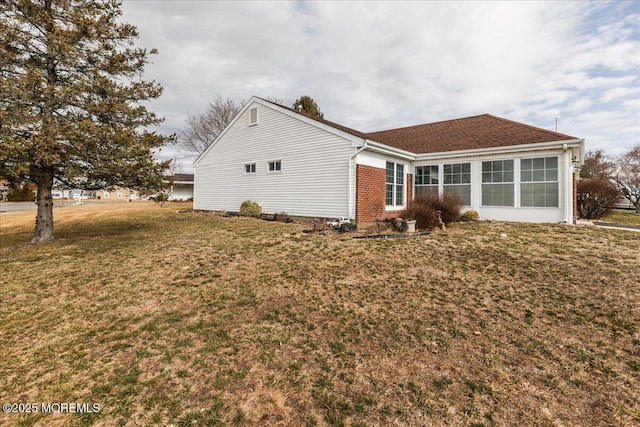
<point x="470" y="215"/>
<point x="23" y="193"/>
<point x="424" y="209"/>
<point x="250" y="208"/>
<point x="596" y="198"/>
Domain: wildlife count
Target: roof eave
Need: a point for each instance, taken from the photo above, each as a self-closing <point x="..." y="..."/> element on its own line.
<point x="388" y="149"/>
<point x="535" y="146"/>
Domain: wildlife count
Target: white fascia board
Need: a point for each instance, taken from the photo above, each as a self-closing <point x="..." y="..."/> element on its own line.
<point x="215" y="141"/>
<point x="573" y="143"/>
<point x="387" y="149"/>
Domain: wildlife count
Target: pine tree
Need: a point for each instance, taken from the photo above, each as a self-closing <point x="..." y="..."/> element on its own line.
<point x="306" y="104"/>
<point x="70" y="92"/>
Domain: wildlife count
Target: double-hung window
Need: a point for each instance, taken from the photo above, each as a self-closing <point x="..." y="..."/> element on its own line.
<point x="497" y="183"/>
<point x="539" y="182"/>
<point x="394" y="188"/>
<point x="457" y="180"/>
<point x="426" y="179"/>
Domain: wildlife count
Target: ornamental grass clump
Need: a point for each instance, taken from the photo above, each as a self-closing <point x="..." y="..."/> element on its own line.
<point x="470" y="216"/>
<point x="250" y="208"/>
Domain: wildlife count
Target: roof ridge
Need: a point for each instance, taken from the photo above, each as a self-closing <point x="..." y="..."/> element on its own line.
<point x="430" y="123"/>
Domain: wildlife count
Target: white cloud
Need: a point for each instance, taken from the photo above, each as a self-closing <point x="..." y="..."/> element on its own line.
<point x="377" y="65"/>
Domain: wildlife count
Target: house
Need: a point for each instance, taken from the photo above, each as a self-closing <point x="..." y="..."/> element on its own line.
<point x="118" y="193"/>
<point x="180" y="186"/>
<point x="305" y="166"/>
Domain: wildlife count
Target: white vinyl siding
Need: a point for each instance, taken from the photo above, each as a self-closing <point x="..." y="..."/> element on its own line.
<point x="539" y="182"/>
<point x="314" y="180"/>
<point x="497" y="183"/>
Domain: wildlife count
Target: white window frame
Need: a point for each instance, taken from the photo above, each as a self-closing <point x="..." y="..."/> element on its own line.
<point x="502" y="183"/>
<point x="433" y="186"/>
<point x="252" y="168"/>
<point x="451" y="185"/>
<point x="277" y="166"/>
<point x="253" y="111"/>
<point x="545" y="181"/>
<point x="402" y="187"/>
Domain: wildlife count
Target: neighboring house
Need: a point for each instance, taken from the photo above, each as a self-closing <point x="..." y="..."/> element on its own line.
<point x="290" y="162"/>
<point x="118" y="193"/>
<point x="181" y="187"/>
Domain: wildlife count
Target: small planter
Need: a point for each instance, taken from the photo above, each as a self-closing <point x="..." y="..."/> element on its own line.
<point x="411" y="225"/>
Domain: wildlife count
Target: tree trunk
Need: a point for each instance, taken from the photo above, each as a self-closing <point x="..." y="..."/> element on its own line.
<point x="44" y="218"/>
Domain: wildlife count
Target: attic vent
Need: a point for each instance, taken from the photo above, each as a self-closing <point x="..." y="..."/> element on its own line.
<point x="253" y="116"/>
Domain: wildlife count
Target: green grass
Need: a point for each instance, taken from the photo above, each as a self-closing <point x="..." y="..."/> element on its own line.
<point x="192" y="319"/>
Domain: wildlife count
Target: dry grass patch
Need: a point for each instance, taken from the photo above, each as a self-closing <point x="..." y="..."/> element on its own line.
<point x="192" y="319"/>
<point x="623" y="216"/>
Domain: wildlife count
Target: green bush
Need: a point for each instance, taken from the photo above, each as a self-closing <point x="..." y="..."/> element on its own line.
<point x="470" y="215"/>
<point x="250" y="208"/>
<point x="424" y="209"/>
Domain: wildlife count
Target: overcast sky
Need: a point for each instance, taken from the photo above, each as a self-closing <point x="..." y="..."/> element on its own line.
<point x="382" y="65"/>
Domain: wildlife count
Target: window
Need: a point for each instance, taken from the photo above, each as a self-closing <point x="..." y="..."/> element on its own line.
<point x="497" y="183"/>
<point x="539" y="182"/>
<point x="457" y="180"/>
<point x="394" y="189"/>
<point x="426" y="179"/>
<point x="253" y="116"/>
<point x="275" y="166"/>
<point x="250" y="168"/>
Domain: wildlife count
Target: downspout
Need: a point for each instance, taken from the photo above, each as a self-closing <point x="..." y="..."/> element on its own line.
<point x="351" y="195"/>
<point x="568" y="186"/>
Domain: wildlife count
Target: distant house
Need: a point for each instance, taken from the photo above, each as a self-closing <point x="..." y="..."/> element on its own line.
<point x="288" y="161"/>
<point x="181" y="186"/>
<point x="118" y="193"/>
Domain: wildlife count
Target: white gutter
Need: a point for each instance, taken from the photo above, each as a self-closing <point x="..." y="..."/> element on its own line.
<point x="387" y="149"/>
<point x="535" y="146"/>
<point x="351" y="194"/>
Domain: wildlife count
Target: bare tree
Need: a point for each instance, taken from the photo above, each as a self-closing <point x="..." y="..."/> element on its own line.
<point x="202" y="129"/>
<point x="626" y="175"/>
<point x="597" y="165"/>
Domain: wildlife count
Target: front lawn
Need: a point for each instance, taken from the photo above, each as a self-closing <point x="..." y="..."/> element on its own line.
<point x="165" y="317"/>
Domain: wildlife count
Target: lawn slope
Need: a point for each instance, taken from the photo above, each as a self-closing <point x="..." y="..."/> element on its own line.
<point x="190" y="319"/>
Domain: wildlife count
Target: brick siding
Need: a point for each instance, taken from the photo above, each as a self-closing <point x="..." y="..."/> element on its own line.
<point x="370" y="193"/>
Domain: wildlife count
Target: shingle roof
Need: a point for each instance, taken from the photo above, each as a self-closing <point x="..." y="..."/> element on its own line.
<point x="476" y="132"/>
<point x="468" y="133"/>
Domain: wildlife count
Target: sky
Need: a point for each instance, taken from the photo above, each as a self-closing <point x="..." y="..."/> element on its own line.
<point x="382" y="65"/>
